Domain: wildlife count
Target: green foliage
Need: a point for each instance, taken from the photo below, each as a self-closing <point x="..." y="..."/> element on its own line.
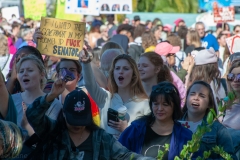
<point x="167" y="6"/>
<point x="162" y="153"/>
<point x="194" y="145"/>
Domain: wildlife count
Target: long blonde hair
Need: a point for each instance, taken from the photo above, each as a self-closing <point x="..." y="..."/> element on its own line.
<point x="39" y="65"/>
<point x="194" y="38"/>
<point x="136" y="84"/>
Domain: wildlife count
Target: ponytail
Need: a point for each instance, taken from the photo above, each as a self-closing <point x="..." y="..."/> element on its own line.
<point x="164" y="74"/>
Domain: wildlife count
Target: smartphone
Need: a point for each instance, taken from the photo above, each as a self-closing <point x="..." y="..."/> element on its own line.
<point x="66" y="75"/>
<point x="112" y="115"/>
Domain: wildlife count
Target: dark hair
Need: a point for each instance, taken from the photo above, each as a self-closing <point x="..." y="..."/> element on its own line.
<point x="29" y="50"/>
<point x="182" y="32"/>
<point x="15" y="25"/>
<point x="156" y="21"/>
<point x="156" y="28"/>
<point x="172" y="98"/>
<point x="236" y="27"/>
<point x="139" y="30"/>
<point x="210" y="97"/>
<point x="62" y="122"/>
<point x="76" y="62"/>
<point x="220" y="35"/>
<point x="125" y="27"/>
<point x="147" y="22"/>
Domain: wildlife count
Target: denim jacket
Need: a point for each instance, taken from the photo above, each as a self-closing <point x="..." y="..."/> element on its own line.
<point x="104" y="145"/>
<point x="133" y="137"/>
<point x="218" y="136"/>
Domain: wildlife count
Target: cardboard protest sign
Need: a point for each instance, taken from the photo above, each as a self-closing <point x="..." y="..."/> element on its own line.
<point x="35" y="9"/>
<point x="223" y="14"/>
<point x="61" y="38"/>
<point x="233" y="43"/>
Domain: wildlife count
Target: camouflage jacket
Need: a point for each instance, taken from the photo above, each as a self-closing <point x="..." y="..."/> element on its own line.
<point x="59" y="147"/>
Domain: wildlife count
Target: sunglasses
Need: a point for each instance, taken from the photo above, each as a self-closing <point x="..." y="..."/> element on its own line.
<point x="231" y="77"/>
<point x="165" y="89"/>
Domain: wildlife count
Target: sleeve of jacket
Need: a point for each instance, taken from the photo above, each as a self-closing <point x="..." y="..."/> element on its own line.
<point x="41" y="123"/>
<point x="182" y="74"/>
<point x="98" y="94"/>
<point x="225" y="141"/>
<point x="121" y="152"/>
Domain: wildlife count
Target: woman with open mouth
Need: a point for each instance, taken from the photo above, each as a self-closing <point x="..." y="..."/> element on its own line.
<point x="199" y="101"/>
<point x="125" y="90"/>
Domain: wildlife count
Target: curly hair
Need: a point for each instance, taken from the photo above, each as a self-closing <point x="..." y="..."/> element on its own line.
<point x="148" y="40"/>
<point x="125" y="27"/>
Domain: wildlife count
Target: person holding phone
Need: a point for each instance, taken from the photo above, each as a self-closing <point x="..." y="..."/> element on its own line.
<point x="125" y="89"/>
<point x="74" y="135"/>
<point x="150" y="133"/>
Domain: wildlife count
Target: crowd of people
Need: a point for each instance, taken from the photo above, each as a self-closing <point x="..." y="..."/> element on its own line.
<point x="143" y="79"/>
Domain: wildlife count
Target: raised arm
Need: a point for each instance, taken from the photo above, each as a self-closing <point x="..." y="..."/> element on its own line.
<point x="98" y="94"/>
<point x="41" y="123"/>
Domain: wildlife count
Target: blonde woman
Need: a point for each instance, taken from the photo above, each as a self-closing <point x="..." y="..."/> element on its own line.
<point x="193" y="41"/>
<point x="31" y="76"/>
<point x="125" y="89"/>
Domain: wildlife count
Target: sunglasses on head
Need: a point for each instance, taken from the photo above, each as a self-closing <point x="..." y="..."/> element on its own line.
<point x="165" y="89"/>
<point x="231" y="77"/>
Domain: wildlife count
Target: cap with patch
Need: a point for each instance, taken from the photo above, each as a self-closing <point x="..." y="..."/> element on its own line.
<point x="77" y="108"/>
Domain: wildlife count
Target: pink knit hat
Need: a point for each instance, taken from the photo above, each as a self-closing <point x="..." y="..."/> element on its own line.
<point x="164" y="48"/>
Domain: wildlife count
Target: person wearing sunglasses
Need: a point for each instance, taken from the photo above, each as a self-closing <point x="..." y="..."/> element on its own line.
<point x="148" y="134"/>
<point x="199" y="101"/>
<point x="232" y="117"/>
<point x="236" y="29"/>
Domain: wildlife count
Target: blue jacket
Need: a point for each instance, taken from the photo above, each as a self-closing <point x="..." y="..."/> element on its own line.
<point x="133" y="137"/>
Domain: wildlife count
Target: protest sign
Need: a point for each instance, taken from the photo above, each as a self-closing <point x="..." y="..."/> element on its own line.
<point x="61" y="38"/>
<point x="85" y="7"/>
<point x="223" y="14"/>
<point x="35" y="9"/>
<point x="116" y="7"/>
<point x="233" y="43"/>
<point x="7" y="13"/>
<point x="60" y="12"/>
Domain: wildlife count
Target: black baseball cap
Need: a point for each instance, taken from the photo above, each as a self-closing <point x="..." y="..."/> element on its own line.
<point x="136" y="18"/>
<point x="77" y="108"/>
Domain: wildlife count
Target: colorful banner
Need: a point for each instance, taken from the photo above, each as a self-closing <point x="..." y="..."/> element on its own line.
<point x="61" y="38"/>
<point x="223" y="14"/>
<point x="34" y="9"/>
<point x="116" y="7"/>
<point x="85" y="7"/>
<point x="60" y="12"/>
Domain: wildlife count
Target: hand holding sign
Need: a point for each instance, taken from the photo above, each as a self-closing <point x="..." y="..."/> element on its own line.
<point x="85" y="55"/>
<point x="61" y="38"/>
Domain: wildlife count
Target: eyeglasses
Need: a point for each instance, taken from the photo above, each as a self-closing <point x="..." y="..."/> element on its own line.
<point x="166" y="89"/>
<point x="231" y="77"/>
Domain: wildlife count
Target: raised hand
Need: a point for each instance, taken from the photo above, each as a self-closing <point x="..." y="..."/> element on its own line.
<point x="57" y="88"/>
<point x="86" y="55"/>
<point x="37" y="35"/>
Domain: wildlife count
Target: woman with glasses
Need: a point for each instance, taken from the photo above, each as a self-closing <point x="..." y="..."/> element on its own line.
<point x="125" y="92"/>
<point x="150" y="133"/>
<point x="200" y="99"/>
<point x="232" y="117"/>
